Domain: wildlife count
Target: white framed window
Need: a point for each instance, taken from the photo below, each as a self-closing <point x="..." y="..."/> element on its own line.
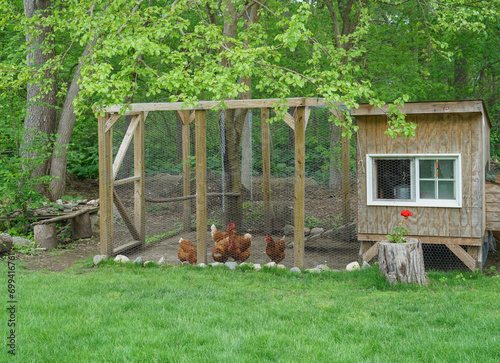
<point x="422" y="180"/>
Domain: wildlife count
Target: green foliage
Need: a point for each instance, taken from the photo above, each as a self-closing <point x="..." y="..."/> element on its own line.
<point x="19" y="187"/>
<point x="31" y="249"/>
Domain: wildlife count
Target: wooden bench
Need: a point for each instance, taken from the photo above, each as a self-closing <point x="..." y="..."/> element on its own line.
<point x="45" y="230"/>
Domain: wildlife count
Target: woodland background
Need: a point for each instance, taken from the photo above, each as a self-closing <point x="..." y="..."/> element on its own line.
<point x="62" y="61"/>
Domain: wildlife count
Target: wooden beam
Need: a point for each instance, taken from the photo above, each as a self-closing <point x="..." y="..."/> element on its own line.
<point x="266" y="169"/>
<point x="126" y="180"/>
<point x="139" y="184"/>
<point x="208" y="105"/>
<point x="126" y="247"/>
<point x="185" y="116"/>
<point x="422" y="108"/>
<point x="106" y="186"/>
<point x="110" y="122"/>
<point x="188" y="197"/>
<point x="367" y="252"/>
<point x="463" y="256"/>
<point x="186" y="168"/>
<point x="126" y="219"/>
<point x="201" y="185"/>
<point x="66" y="216"/>
<point x="299" y="202"/>
<point x="124" y="145"/>
<point x="426" y="239"/>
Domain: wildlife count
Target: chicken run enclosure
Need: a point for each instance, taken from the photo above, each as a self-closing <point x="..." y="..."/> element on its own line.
<point x="168" y="172"/>
<point x="165" y="173"/>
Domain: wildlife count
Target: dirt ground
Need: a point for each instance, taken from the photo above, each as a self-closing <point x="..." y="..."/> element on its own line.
<point x="60" y="259"/>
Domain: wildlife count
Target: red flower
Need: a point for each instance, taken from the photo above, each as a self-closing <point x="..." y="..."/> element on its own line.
<point x="406" y="214"/>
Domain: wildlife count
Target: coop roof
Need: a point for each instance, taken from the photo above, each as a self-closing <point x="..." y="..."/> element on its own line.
<point x="430" y="107"/>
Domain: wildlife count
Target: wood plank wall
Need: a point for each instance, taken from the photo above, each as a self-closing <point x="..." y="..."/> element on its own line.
<point x="436" y="133"/>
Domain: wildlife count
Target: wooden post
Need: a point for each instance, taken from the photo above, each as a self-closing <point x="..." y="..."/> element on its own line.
<point x="106" y="186"/>
<point x="403" y="262"/>
<point x="80" y="227"/>
<point x="266" y="169"/>
<point x="45" y="235"/>
<point x="300" y="171"/>
<point x="346" y="179"/>
<point x="201" y="185"/>
<point x="139" y="184"/>
<point x="186" y="168"/>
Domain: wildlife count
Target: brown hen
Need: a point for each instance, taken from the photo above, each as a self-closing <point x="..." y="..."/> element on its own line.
<point x="275" y="250"/>
<point x="187" y="251"/>
<point x="219" y="235"/>
<point x="220" y="252"/>
<point x="239" y="247"/>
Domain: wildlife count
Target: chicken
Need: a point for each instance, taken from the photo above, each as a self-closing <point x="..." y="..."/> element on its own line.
<point x="218" y="235"/>
<point x="220" y="252"/>
<point x="187" y="251"/>
<point x="239" y="247"/>
<point x="275" y="250"/>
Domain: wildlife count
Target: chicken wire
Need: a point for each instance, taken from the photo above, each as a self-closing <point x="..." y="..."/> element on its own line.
<point x="330" y="227"/>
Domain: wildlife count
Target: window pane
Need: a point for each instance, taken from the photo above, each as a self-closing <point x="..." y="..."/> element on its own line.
<point x="427" y="169"/>
<point x="445" y="169"/>
<point x="427" y="189"/>
<point x="446" y="190"/>
<point x="393" y="178"/>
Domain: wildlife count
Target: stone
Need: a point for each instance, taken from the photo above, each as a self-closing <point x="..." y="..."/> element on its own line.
<point x="352" y="266"/>
<point x="148" y="263"/>
<point x="231" y="264"/>
<point x="162" y="261"/>
<point x="288" y="230"/>
<point x="281" y="266"/>
<point x="313" y="270"/>
<point x="270" y="264"/>
<point x="121" y="258"/>
<point x="202" y="265"/>
<point x="296" y="269"/>
<point x="322" y="267"/>
<point x="316" y="231"/>
<point x="138" y="260"/>
<point x="257" y="266"/>
<point x="21" y="241"/>
<point x="366" y="265"/>
<point x="99" y="258"/>
<point x="307" y="231"/>
<point x="215" y="264"/>
<point x="5" y="243"/>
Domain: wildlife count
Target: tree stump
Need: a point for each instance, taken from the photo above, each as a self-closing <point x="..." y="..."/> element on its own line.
<point x="403" y="262"/>
<point x="45" y="235"/>
<point x="81" y="227"/>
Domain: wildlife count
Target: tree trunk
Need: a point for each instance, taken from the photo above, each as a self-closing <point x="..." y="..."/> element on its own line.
<point x="65" y="130"/>
<point x="41" y="110"/>
<point x="403" y="262"/>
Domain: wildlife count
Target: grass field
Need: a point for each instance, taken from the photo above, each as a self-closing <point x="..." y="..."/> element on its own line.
<point x="189" y="314"/>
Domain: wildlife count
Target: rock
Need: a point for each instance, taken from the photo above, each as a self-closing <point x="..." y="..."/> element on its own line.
<point x="21" y="241"/>
<point x="316" y="231"/>
<point x="270" y="264"/>
<point x="366" y="265"/>
<point x="121" y="258"/>
<point x="246" y="264"/>
<point x="296" y="269"/>
<point x="313" y="270"/>
<point x="288" y="230"/>
<point x="185" y="263"/>
<point x="231" y="264"/>
<point x="281" y="266"/>
<point x="162" y="261"/>
<point x="257" y="266"/>
<point x="202" y="265"/>
<point x="5" y="243"/>
<point x="215" y="264"/>
<point x="307" y="231"/>
<point x="148" y="263"/>
<point x="138" y="260"/>
<point x="352" y="266"/>
<point x="99" y="258"/>
<point x="322" y="267"/>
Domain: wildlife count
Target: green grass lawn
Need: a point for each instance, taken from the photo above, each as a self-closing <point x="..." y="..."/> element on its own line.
<point x="190" y="314"/>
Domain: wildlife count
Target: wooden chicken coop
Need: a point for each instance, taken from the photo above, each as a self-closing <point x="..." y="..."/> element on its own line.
<point x="439" y="175"/>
